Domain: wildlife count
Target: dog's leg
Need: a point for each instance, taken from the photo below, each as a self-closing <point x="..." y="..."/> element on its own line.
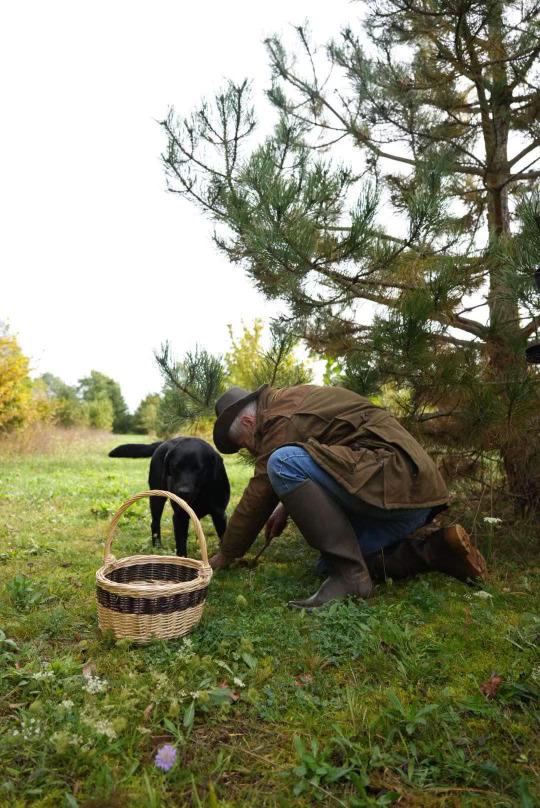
<point x="181" y="525"/>
<point x="156" y="509"/>
<point x="219" y="518"/>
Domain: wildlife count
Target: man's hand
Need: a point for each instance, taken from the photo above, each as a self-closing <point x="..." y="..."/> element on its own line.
<point x="218" y="561"/>
<point x="276" y="524"/>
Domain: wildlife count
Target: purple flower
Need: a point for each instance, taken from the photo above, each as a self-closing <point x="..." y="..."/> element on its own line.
<point x="166" y="757"/>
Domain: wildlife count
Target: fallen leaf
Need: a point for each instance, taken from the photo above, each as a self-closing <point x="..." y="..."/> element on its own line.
<point x="235" y="696"/>
<point x="303" y="679"/>
<point x="491" y="686"/>
<point x="148" y="712"/>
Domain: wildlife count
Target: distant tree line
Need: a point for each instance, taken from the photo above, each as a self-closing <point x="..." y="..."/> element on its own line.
<point x="190" y="389"/>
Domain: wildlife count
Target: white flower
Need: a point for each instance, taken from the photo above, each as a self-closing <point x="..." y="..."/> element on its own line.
<point x="69" y="738"/>
<point x="195" y="694"/>
<point x="44" y="675"/>
<point x="482" y="594"/>
<point x="238" y="682"/>
<point x="492" y="520"/>
<point x="94" y="684"/>
<point x="30" y="728"/>
<point x="67" y="704"/>
<point x="102" y="727"/>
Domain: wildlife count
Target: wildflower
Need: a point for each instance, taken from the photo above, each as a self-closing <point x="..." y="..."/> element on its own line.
<point x="30" y="728"/>
<point x="102" y="727"/>
<point x="186" y="652"/>
<point x="195" y="694"/>
<point x="95" y="685"/>
<point x="62" y="741"/>
<point x="44" y="675"/>
<point x="67" y="704"/>
<point x="492" y="520"/>
<point x="166" y="757"/>
<point x="482" y="594"/>
<point x="238" y="682"/>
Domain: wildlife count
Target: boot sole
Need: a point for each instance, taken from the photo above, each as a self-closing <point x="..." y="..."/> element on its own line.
<point x="456" y="537"/>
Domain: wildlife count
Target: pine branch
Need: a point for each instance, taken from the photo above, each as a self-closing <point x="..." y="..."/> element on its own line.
<point x="429" y="416"/>
<point x="524" y="175"/>
<point x="531" y="327"/>
<point x="532" y="145"/>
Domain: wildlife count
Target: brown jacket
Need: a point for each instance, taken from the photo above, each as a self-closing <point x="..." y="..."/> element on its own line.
<point x="360" y="445"/>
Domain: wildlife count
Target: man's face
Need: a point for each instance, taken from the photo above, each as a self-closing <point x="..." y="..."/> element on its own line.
<point x="247" y="438"/>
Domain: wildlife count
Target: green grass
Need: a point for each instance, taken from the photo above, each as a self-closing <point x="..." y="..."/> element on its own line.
<point x="364" y="704"/>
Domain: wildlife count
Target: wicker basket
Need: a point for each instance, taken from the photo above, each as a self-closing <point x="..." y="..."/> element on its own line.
<point x="145" y="597"/>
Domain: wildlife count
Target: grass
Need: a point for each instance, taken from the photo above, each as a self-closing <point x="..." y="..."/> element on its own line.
<point x="425" y="696"/>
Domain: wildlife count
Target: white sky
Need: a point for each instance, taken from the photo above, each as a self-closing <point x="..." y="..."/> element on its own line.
<point x="98" y="263"/>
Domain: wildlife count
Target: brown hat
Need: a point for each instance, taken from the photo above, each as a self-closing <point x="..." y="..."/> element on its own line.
<point x="227" y="408"/>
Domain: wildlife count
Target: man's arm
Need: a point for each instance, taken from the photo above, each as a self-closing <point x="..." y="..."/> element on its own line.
<point x="251" y="514"/>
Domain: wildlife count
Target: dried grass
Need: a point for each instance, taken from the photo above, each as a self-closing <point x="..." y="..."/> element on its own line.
<point x="46" y="439"/>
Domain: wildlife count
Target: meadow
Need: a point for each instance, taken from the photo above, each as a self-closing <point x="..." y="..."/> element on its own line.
<point x="427" y="695"/>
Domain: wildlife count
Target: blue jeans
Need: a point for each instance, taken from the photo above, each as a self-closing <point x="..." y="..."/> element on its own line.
<point x="375" y="528"/>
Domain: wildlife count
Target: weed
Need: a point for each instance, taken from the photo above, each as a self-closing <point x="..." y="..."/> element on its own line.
<point x="23" y="593"/>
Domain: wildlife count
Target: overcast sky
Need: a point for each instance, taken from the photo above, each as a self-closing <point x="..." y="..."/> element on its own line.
<point x="99" y="264"/>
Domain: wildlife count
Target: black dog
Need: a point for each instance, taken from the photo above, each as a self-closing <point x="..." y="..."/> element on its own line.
<point x="191" y="469"/>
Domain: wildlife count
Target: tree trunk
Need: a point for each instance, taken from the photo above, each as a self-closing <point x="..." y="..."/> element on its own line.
<point x="505" y="347"/>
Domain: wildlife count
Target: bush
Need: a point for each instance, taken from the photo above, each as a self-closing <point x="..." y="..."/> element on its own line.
<point x="100" y="413"/>
<point x="15" y="384"/>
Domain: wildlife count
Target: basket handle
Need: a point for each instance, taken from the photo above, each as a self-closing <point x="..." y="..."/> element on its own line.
<point x="108" y="557"/>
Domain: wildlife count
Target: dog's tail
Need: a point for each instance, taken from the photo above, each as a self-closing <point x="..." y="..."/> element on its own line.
<point x="135" y="449"/>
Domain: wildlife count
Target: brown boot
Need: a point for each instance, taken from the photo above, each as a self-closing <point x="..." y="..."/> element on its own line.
<point x="326" y="528"/>
<point x="401" y="561"/>
<point x="448" y="550"/>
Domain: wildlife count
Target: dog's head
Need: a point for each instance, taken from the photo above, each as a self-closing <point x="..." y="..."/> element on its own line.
<point x="187" y="469"/>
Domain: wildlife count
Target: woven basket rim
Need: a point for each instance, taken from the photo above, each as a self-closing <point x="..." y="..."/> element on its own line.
<point x="144" y="589"/>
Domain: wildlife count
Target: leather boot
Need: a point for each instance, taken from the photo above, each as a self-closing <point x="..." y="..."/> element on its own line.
<point x="326" y="528"/>
<point x="448" y="550"/>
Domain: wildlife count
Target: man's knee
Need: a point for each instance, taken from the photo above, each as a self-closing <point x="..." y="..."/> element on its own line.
<point x="274" y="463"/>
<point x="284" y="470"/>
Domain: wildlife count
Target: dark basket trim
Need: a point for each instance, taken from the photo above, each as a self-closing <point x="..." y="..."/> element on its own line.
<point x="153" y="571"/>
<point x="162" y="605"/>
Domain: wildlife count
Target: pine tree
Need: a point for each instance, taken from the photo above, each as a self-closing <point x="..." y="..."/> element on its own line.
<point x="401" y="172"/>
<point x="249" y="365"/>
<point x="191" y="387"/>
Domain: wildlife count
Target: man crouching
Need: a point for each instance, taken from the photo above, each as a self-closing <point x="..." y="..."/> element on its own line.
<point x="355" y="482"/>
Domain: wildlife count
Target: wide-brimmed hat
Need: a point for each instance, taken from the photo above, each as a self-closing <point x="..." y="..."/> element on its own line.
<point x="227" y="408"/>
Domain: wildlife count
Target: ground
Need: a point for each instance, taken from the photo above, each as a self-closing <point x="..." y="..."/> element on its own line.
<point x="425" y="696"/>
